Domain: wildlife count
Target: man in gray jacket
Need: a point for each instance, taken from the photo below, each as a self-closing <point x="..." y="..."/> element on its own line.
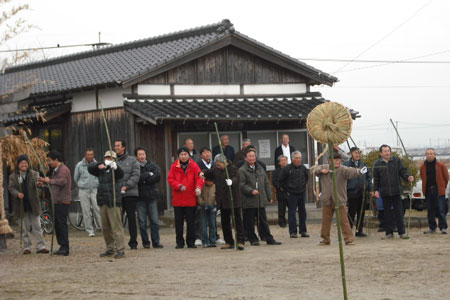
<point x="87" y="191"/>
<point x="128" y="187"/>
<point x="256" y="195"/>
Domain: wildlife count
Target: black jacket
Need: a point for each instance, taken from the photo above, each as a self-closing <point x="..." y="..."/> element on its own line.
<point x="293" y="179"/>
<point x="386" y="176"/>
<point x="228" y="152"/>
<point x="355" y="186"/>
<point x="279" y="151"/>
<point x="105" y="185"/>
<point x="150" y="177"/>
<point x="281" y="193"/>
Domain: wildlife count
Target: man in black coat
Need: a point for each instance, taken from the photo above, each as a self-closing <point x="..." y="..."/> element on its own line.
<point x="293" y="179"/>
<point x="228" y="150"/>
<point x="147" y="205"/>
<point x="387" y="174"/>
<point x="357" y="190"/>
<point x="281" y="193"/>
<point x="284" y="149"/>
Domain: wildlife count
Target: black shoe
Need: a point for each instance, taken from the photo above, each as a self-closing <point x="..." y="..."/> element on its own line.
<point x="119" y="254"/>
<point x="361" y="234"/>
<point x="146" y="246"/>
<point x="158" y="246"/>
<point x="179" y="247"/>
<point x="293" y="236"/>
<point x="212" y="246"/>
<point x="192" y="246"/>
<point x="273" y="242"/>
<point x="240" y="246"/>
<point x="304" y="235"/>
<point x="61" y="252"/>
<point x="133" y="247"/>
<point x="255" y="243"/>
<point x="107" y="253"/>
<point x="283" y="225"/>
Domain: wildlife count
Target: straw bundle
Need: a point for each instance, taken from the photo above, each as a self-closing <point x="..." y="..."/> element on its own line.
<point x="330" y="122"/>
<point x="4" y="226"/>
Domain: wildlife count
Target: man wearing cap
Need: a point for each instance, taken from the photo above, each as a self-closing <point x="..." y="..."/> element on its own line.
<point x="87" y="191"/>
<point x="357" y="190"/>
<point x="27" y="207"/>
<point x="60" y="183"/>
<point x="186" y="187"/>
<point x="109" y="207"/>
<point x="129" y="190"/>
<point x="343" y="173"/>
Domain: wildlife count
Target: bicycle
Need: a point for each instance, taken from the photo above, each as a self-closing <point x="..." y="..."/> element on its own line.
<point x="46" y="218"/>
<point x="76" y="216"/>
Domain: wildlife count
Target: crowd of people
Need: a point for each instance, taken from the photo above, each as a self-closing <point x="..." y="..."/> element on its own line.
<point x="219" y="181"/>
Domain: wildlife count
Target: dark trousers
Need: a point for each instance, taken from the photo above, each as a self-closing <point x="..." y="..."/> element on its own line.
<point x="227" y="223"/>
<point x="436" y="208"/>
<point x="354" y="209"/>
<point x="250" y="216"/>
<point x="282" y="204"/>
<point x="198" y="224"/>
<point x="61" y="230"/>
<point x="185" y="213"/>
<point x="129" y="205"/>
<point x="395" y="215"/>
<point x="297" y="202"/>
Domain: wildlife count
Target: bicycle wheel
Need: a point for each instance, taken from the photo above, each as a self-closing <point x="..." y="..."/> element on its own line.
<point x="46" y="223"/>
<point x="76" y="215"/>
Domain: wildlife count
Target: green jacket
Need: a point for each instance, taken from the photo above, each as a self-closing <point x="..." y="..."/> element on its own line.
<point x="31" y="190"/>
<point x="247" y="183"/>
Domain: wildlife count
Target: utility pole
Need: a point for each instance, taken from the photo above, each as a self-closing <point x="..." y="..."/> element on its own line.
<point x="396" y="125"/>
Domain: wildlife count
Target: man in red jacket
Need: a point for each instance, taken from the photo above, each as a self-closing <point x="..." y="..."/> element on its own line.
<point x="434" y="182"/>
<point x="186" y="186"/>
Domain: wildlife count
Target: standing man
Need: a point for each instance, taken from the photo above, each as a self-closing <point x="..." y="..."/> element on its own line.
<point x="189" y="143"/>
<point x="227" y="149"/>
<point x="281" y="193"/>
<point x="343" y="173"/>
<point x="240" y="156"/>
<point x="147" y="206"/>
<point x="434" y="183"/>
<point x="128" y="187"/>
<point x="60" y="183"/>
<point x="294" y="178"/>
<point x="110" y="211"/>
<point x="27" y="207"/>
<point x="186" y="187"/>
<point x="357" y="189"/>
<point x="256" y="195"/>
<point x="87" y="191"/>
<point x="387" y="174"/>
<point x="284" y="149"/>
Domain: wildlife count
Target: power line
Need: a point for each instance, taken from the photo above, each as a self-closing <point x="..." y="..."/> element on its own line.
<point x="55" y="47"/>
<point x="385" y="37"/>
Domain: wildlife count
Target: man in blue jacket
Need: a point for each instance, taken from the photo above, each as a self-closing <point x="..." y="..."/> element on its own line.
<point x="357" y="190"/>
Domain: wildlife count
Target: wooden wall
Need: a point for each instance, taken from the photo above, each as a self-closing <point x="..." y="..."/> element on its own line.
<point x="229" y="65"/>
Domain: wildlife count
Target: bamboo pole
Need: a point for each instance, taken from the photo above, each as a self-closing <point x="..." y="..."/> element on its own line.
<point x="338" y="221"/>
<point x="233" y="217"/>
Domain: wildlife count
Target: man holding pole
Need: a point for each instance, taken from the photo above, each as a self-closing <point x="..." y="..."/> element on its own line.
<point x="434" y="182"/>
<point x="387" y="174"/>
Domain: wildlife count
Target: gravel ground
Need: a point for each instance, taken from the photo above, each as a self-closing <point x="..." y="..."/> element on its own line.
<point x="418" y="268"/>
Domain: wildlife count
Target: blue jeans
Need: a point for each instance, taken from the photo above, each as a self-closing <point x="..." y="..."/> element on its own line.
<point x="148" y="209"/>
<point x="436" y="206"/>
<point x="208" y="214"/>
<point x="294" y="202"/>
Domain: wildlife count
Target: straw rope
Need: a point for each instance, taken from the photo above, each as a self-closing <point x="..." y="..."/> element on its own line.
<point x="4" y="226"/>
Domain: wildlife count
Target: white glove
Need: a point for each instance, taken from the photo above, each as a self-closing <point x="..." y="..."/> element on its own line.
<point x="229" y="182"/>
<point x="198" y="192"/>
<point x="364" y="170"/>
<point x="114" y="165"/>
<point x="182" y="188"/>
<point x="150" y="173"/>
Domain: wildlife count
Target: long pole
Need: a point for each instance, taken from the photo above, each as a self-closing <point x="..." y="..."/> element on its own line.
<point x="233" y="217"/>
<point x="113" y="174"/>
<point x="338" y="221"/>
<point x="410" y="184"/>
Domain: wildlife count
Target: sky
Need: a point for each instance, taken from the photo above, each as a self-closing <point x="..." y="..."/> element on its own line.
<point x="416" y="95"/>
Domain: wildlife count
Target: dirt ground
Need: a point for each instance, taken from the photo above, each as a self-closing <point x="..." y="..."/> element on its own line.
<point x="418" y="268"/>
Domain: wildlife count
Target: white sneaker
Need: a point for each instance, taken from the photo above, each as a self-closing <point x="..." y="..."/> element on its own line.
<point x="91" y="235"/>
<point x="220" y="242"/>
<point x="198" y="242"/>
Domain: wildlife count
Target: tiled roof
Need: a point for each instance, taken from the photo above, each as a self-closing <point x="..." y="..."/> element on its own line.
<point x="111" y="66"/>
<point x="37" y="113"/>
<point x="292" y="107"/>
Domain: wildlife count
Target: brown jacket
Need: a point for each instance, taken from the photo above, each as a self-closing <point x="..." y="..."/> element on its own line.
<point x="343" y="173"/>
<point x="441" y="177"/>
<point x="32" y="191"/>
<point x="60" y="183"/>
